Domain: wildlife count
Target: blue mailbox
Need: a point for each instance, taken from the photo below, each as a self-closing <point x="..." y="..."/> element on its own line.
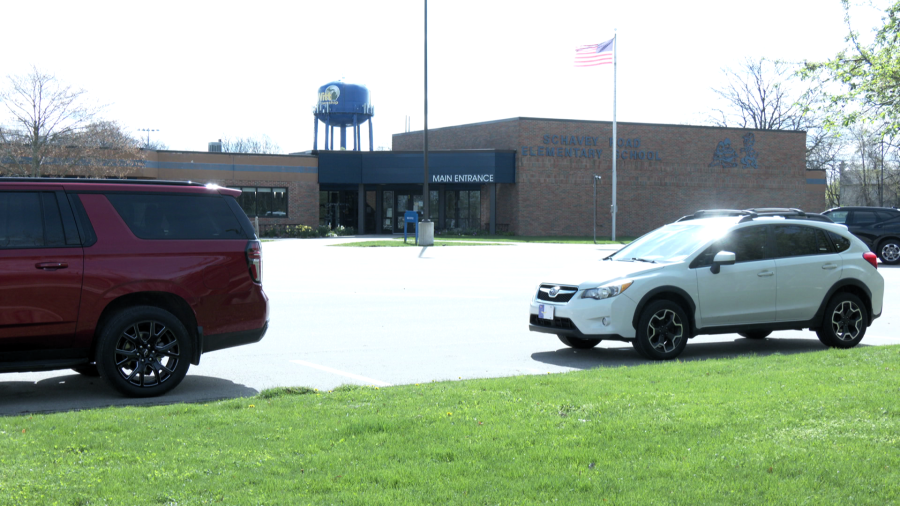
<point x="411" y="217"/>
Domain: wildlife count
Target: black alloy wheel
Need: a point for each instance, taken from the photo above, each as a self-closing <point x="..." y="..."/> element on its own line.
<point x="578" y="343"/>
<point x="755" y="334"/>
<point x="889" y="251"/>
<point x="144" y="351"/>
<point x="844" y="323"/>
<point x="663" y="331"/>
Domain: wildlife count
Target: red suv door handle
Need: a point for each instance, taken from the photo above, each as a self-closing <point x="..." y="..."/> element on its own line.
<point x="51" y="266"/>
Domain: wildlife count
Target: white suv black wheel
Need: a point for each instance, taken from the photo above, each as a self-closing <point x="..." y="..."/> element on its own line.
<point x="889" y="251"/>
<point x="663" y="331"/>
<point x="844" y="324"/>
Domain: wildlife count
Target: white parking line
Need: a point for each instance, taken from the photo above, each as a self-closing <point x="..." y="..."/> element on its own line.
<point x="342" y="373"/>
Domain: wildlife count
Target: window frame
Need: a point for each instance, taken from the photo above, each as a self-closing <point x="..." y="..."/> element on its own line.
<point x="270" y="189"/>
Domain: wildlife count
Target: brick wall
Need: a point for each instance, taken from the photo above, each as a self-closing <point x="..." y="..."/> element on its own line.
<point x="666" y="172"/>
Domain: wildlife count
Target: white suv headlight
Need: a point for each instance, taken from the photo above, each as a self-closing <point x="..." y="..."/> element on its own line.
<point x="606" y="291"/>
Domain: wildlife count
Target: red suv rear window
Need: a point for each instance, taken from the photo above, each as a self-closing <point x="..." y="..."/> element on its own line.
<point x="171" y="216"/>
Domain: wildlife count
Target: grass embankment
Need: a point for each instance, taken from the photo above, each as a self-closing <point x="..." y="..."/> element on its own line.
<point x="812" y="428"/>
<point x="451" y="240"/>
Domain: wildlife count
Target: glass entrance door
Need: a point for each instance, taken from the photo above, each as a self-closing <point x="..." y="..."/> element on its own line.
<point x="407" y="202"/>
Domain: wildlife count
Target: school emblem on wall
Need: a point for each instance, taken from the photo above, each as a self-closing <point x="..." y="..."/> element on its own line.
<point x="725" y="156"/>
<point x="749" y="158"/>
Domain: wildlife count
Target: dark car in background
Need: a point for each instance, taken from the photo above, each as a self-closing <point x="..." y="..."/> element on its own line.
<point x="878" y="227"/>
<point x="129" y="280"/>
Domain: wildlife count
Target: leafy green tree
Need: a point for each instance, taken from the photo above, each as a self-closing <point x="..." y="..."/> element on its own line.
<point x="862" y="82"/>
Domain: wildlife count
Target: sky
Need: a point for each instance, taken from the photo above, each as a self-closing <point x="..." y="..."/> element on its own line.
<point x="200" y="71"/>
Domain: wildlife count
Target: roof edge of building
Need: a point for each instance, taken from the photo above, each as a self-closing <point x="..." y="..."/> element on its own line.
<point x="188" y="152"/>
<point x="563" y="120"/>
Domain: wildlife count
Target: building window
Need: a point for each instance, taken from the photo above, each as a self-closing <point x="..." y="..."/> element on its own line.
<point x="264" y="202"/>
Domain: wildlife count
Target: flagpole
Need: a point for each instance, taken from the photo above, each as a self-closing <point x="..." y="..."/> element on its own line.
<point x="615" y="140"/>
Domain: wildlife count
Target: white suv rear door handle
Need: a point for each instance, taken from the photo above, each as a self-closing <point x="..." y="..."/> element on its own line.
<point x="765" y="274"/>
<point x="829" y="266"/>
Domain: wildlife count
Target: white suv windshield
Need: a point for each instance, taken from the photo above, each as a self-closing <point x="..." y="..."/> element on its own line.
<point x="673" y="243"/>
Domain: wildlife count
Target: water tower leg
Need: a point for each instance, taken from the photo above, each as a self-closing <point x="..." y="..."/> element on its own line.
<point x="343" y="137"/>
<point x="327" y="128"/>
<point x="371" y="148"/>
<point x="331" y="147"/>
<point x="315" y="133"/>
<point x="355" y="134"/>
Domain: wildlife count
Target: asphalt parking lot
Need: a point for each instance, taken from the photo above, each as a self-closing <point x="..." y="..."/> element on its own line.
<point x="386" y="316"/>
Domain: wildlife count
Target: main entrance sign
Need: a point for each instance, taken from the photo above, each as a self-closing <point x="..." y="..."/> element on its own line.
<point x="462" y="178"/>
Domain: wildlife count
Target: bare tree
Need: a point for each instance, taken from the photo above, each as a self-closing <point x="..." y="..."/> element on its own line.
<point x="51" y="129"/>
<point x="759" y="95"/>
<point x="860" y="179"/>
<point x="260" y="145"/>
<point x="764" y="94"/>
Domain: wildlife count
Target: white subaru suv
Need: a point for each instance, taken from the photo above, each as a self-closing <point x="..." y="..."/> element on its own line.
<point x="721" y="271"/>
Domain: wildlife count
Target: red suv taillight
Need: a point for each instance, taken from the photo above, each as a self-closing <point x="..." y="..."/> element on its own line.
<point x="254" y="261"/>
<point x="872" y="258"/>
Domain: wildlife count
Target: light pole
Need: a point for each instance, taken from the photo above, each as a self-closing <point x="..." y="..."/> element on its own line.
<point x="596" y="178"/>
<point x="148" y="130"/>
<point x="425" y="195"/>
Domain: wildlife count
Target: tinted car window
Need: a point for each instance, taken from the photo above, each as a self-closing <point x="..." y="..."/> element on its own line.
<point x="838" y="216"/>
<point x="795" y="240"/>
<point x="166" y="216"/>
<point x="884" y="216"/>
<point x="747" y="244"/>
<point x="823" y="245"/>
<point x="53" y="229"/>
<point x="21" y="225"/>
<point x="893" y="225"/>
<point x="841" y="243"/>
<point x="864" y="217"/>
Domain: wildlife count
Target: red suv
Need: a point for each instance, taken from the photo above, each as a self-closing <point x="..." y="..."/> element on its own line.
<point x="132" y="280"/>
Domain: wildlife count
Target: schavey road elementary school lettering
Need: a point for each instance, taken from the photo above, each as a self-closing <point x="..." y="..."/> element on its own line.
<point x="568" y="146"/>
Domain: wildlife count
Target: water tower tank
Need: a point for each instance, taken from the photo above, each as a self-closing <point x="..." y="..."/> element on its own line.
<point x="343" y="105"/>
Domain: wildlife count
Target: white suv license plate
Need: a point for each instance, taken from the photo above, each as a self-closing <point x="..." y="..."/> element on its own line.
<point x="545" y="312"/>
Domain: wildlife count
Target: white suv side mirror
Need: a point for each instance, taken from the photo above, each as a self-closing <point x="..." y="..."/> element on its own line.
<point x="722" y="258"/>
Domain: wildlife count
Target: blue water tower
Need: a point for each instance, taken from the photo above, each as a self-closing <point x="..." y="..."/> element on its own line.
<point x="343" y="105"/>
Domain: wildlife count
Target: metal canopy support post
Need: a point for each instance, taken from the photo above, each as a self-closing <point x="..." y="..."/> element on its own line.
<point x="361" y="210"/>
<point x="442" y="218"/>
<point x="379" y="210"/>
<point x="493" y="208"/>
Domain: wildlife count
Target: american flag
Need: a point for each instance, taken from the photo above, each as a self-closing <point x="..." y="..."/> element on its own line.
<point x="594" y="54"/>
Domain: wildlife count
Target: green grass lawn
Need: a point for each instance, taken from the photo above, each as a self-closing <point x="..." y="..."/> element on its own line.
<point x="810" y="428"/>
